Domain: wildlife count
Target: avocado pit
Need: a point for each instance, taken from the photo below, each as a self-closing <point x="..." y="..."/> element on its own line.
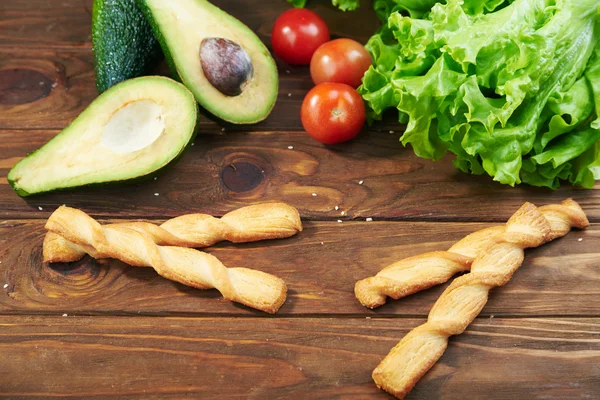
<point x="226" y="65"/>
<point x="133" y="127"/>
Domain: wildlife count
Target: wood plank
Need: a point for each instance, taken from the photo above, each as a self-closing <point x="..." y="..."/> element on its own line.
<point x="47" y="89"/>
<point x="396" y="184"/>
<point x="561" y="278"/>
<point x="46" y="24"/>
<point x="44" y="90"/>
<point x="67" y="23"/>
<point x="288" y="358"/>
<point x="45" y="83"/>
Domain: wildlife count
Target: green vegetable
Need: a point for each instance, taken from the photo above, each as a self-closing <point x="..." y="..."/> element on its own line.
<point x="513" y="90"/>
<point x="124" y="46"/>
<point x="130" y="131"/>
<point x="298" y="3"/>
<point x="344" y="5"/>
<point x="183" y="28"/>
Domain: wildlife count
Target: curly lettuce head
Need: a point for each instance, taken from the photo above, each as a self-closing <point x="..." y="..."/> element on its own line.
<point x="511" y="88"/>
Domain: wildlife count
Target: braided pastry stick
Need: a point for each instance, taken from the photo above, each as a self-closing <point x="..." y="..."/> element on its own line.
<point x="191" y="267"/>
<point x="464" y="299"/>
<point x="247" y="224"/>
<point x="421" y="272"/>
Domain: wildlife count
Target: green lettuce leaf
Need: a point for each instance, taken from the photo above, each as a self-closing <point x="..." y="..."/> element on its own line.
<point x="298" y="3"/>
<point x="421" y="8"/>
<point x="512" y="88"/>
<point x="344" y="5"/>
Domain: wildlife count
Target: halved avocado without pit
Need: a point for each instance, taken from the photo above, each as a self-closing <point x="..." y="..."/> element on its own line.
<point x="226" y="66"/>
<point x="131" y="130"/>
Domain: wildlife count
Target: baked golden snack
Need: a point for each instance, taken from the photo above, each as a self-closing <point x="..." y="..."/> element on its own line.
<point x="414" y="274"/>
<point x="246" y="224"/>
<point x="136" y="246"/>
<point x="464" y="299"/>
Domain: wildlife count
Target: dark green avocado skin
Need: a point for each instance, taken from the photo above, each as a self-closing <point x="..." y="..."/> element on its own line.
<point x="153" y="26"/>
<point x="123" y="42"/>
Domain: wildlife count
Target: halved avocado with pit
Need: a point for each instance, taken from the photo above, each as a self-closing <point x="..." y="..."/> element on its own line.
<point x="131" y="130"/>
<point x="226" y="66"/>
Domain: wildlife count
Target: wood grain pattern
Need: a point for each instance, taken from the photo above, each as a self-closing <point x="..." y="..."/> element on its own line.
<point x="48" y="88"/>
<point x="137" y="335"/>
<point x="44" y="89"/>
<point x="71" y="78"/>
<point x="46" y="24"/>
<point x="57" y="58"/>
<point x="396" y="184"/>
<point x="67" y="23"/>
<point x="260" y="358"/>
<point x="560" y="278"/>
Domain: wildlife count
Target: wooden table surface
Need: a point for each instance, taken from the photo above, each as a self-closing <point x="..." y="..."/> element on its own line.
<point x="103" y="329"/>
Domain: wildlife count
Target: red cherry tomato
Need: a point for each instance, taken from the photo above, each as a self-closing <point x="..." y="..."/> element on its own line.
<point x="333" y="113"/>
<point x="341" y="61"/>
<point x="297" y="33"/>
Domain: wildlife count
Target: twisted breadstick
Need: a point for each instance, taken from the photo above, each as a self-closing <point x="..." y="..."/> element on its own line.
<point x="137" y="247"/>
<point x="464" y="299"/>
<point x="247" y="224"/>
<point x="421" y="272"/>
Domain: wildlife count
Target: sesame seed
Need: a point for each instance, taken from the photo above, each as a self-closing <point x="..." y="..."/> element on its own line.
<point x="391" y="131"/>
<point x="155" y="178"/>
<point x="40" y="208"/>
<point x="289" y="95"/>
<point x="55" y="84"/>
<point x="65" y="315"/>
<point x="343" y="212"/>
<point x="314" y="195"/>
<point x="156" y="194"/>
<point x="369" y="219"/>
<point x="321" y="243"/>
<point x="222" y="129"/>
<point x="287" y="71"/>
<point x="291" y="147"/>
<point x="580" y="240"/>
<point x="339" y="220"/>
<point x="367" y="317"/>
<point x="361" y="182"/>
<point x="64" y="205"/>
<point x="5" y="285"/>
<point x="336" y="208"/>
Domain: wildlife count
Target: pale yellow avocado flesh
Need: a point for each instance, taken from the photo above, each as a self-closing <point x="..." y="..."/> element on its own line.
<point x="183" y="25"/>
<point x="131" y="130"/>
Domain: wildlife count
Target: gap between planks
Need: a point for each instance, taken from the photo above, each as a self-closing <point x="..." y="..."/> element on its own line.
<point x="161" y="218"/>
<point x="187" y="315"/>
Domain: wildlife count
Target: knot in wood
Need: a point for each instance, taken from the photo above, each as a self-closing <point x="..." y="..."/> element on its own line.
<point x="22" y="86"/>
<point x="241" y="176"/>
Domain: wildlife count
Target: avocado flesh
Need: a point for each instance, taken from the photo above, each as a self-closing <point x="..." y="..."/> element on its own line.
<point x="123" y="43"/>
<point x="181" y="25"/>
<point x="133" y="129"/>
